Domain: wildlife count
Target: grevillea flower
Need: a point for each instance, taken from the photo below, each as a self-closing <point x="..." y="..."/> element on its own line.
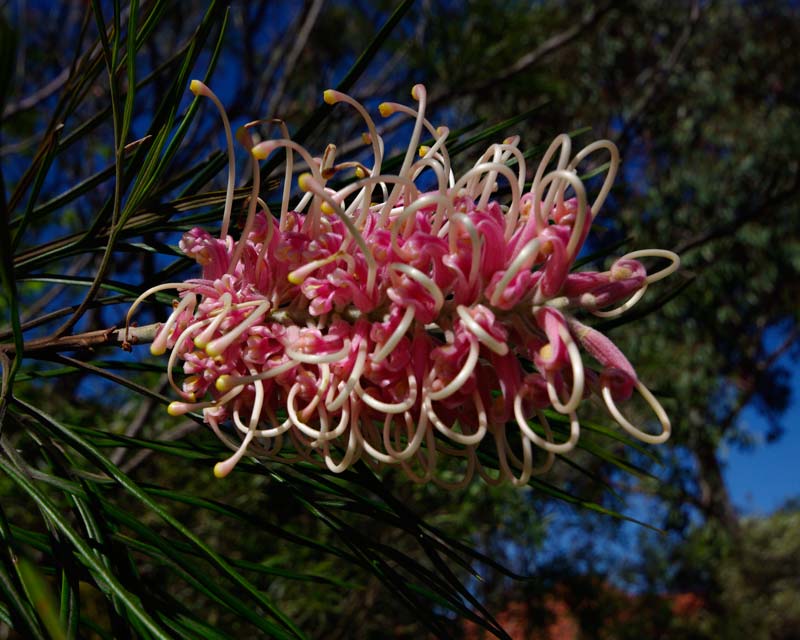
<point x="385" y="322"/>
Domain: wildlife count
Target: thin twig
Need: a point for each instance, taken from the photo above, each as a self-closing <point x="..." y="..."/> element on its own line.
<point x="294" y="54"/>
<point x="139" y="420"/>
<point x="530" y="59"/>
<point x="129" y="337"/>
<point x="176" y="433"/>
<point x="658" y="77"/>
<point x="44" y="300"/>
<point x="751" y="214"/>
<point x="752" y="388"/>
<point x="37" y="96"/>
<point x="124" y="338"/>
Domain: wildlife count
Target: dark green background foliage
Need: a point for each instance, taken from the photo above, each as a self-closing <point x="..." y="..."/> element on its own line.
<point x="111" y="522"/>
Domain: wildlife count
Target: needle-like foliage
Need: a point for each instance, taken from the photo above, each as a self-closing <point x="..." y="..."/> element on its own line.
<point x="111" y="525"/>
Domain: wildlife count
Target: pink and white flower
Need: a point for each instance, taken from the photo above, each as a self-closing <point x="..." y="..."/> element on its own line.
<point x="380" y="322"/>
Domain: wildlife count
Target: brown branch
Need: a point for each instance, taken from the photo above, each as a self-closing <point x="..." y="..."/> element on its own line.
<point x="6" y="333"/>
<point x="176" y="433"/>
<point x="124" y="338"/>
<point x="311" y="15"/>
<point x="141" y="418"/>
<point x="20" y="146"/>
<point x="744" y="217"/>
<point x="657" y="79"/>
<point x="530" y="59"/>
<point x="42" y="302"/>
<point x="760" y="367"/>
<point x="129" y="337"/>
<point x="37" y="96"/>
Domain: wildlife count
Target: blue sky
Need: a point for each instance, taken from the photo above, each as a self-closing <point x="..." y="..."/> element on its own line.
<point x="762" y="479"/>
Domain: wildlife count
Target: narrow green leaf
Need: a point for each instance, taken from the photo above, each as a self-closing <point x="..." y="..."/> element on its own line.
<point x="193" y="629"/>
<point x="21" y="616"/>
<point x="350" y="78"/>
<point x="42" y="598"/>
<point x="22" y="610"/>
<point x="84" y="551"/>
<point x="69" y="605"/>
<point x="169" y="554"/>
<point x="9" y="289"/>
<point x="158" y="157"/>
<point x="8" y="59"/>
<point x="180" y="134"/>
<point x="5" y="616"/>
<point x="75" y="191"/>
<point x="92" y="454"/>
<point x="130" y="64"/>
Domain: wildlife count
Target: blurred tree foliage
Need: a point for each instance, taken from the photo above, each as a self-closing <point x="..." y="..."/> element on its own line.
<point x="750" y="577"/>
<point x="704" y="107"/>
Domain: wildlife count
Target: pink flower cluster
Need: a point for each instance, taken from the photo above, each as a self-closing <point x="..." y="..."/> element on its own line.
<point x="383" y="322"/>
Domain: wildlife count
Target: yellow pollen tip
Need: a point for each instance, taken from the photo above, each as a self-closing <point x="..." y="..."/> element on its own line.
<point x="220" y="470"/>
<point x="366" y="138"/>
<point x="329" y="96"/>
<point x="158" y="349"/>
<point x="423" y="149"/>
<point x="295" y="278"/>
<point x="303" y="181"/>
<point x="223" y="383"/>
<point x="546" y="352"/>
<point x="262" y="150"/>
<point x="327" y="209"/>
<point x="176" y="409"/>
<point x="200" y="343"/>
<point x="416" y="91"/>
<point x="213" y="349"/>
<point x="360" y="173"/>
<point x="385" y="109"/>
<point x="197" y="88"/>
